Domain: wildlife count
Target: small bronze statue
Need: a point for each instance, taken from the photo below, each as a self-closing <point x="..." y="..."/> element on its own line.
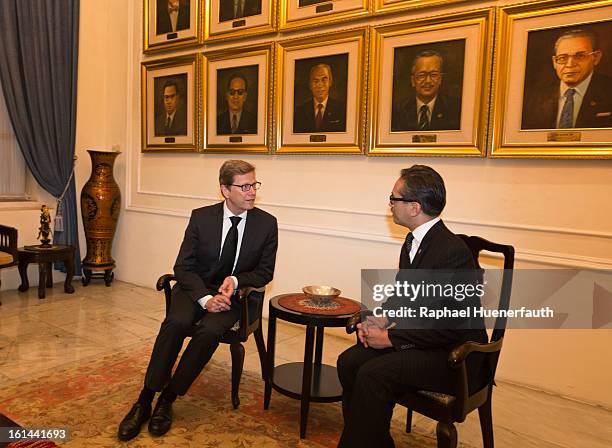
<point x="45" y="227"/>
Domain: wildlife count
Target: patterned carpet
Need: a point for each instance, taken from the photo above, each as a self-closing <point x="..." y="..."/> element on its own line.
<point x="91" y="399"/>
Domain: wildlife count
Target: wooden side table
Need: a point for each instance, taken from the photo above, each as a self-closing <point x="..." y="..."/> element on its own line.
<point x="45" y="256"/>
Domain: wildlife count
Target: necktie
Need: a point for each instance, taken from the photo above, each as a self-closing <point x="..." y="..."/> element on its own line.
<point x="319" y="117"/>
<point x="405" y="254"/>
<point x="228" y="253"/>
<point x="234" y="123"/>
<point x="423" y="119"/>
<point x="168" y="124"/>
<point x="566" y="120"/>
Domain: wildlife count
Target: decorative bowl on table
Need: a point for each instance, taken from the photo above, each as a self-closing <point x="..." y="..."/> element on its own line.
<point x="321" y="296"/>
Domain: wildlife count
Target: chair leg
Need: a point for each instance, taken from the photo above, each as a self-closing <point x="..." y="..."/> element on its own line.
<point x="409" y="420"/>
<point x="237" y="351"/>
<point x="447" y="435"/>
<point x="261" y="349"/>
<point x="486" y="423"/>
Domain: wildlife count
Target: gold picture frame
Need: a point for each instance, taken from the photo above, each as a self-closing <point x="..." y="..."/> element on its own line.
<point x="237" y="100"/>
<point x="530" y="82"/>
<point x="392" y="6"/>
<point x="168" y="25"/>
<point x="170" y="104"/>
<point x="294" y="14"/>
<point x="226" y="19"/>
<point x="457" y="50"/>
<point x="327" y="73"/>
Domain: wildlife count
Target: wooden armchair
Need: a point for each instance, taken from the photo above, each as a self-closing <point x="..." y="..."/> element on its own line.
<point x="450" y="409"/>
<point x="251" y="300"/>
<point x="8" y="248"/>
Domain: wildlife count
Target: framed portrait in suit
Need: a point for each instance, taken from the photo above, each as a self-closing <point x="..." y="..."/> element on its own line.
<point x="391" y="6"/>
<point x="307" y="13"/>
<point x="553" y="96"/>
<point x="322" y="84"/>
<point x="230" y="19"/>
<point x="430" y="85"/>
<point x="170" y="98"/>
<point x="170" y="24"/>
<point x="237" y="100"/>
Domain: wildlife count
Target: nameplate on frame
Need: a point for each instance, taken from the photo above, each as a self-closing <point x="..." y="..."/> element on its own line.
<point x="171" y="36"/>
<point x="324" y="8"/>
<point x="318" y="138"/>
<point x="424" y="138"/>
<point x="564" y="137"/>
<point x="235" y="139"/>
<point x="238" y="23"/>
<point x="169" y="140"/>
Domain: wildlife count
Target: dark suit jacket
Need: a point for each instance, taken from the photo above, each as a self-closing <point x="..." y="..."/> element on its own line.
<point x="178" y="127"/>
<point x="226" y="9"/>
<point x="440" y="250"/>
<point x="246" y="125"/>
<point x="198" y="258"/>
<point x="446" y="115"/>
<point x="164" y="25"/>
<point x="540" y="109"/>
<point x="334" y="117"/>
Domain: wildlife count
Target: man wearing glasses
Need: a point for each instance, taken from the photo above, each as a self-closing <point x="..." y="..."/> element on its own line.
<point x="236" y="119"/>
<point x="427" y="109"/>
<point x="226" y="246"/>
<point x="582" y="98"/>
<point x="173" y="119"/>
<point x="389" y="361"/>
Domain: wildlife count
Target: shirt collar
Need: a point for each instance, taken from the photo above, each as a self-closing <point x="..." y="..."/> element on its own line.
<point x="429" y="105"/>
<point x="580" y="89"/>
<point x="324" y="103"/>
<point x="420" y="232"/>
<point x="227" y="213"/>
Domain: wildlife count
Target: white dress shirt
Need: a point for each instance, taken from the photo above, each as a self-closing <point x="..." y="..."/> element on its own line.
<point x="430" y="108"/>
<point x="418" y="234"/>
<point x="578" y="97"/>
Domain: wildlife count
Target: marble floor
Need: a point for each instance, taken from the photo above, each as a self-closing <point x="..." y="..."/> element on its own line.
<point x="37" y="336"/>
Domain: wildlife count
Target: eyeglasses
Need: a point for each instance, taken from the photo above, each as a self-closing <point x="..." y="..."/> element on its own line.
<point x="394" y="199"/>
<point x="169" y="97"/>
<point x="581" y="56"/>
<point x="422" y="76"/>
<point x="238" y="92"/>
<point x="247" y="187"/>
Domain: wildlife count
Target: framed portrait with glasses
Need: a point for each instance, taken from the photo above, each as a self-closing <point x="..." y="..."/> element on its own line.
<point x="429" y="89"/>
<point x="237" y="100"/>
<point x="170" y="24"/>
<point x="553" y="78"/>
<point x="170" y="98"/>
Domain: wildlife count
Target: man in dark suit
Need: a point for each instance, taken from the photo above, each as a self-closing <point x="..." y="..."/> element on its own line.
<point x="322" y="113"/>
<point x="172" y="16"/>
<point x="173" y="121"/>
<point x="236" y="9"/>
<point x="387" y="362"/>
<point x="582" y="98"/>
<point x="227" y="246"/>
<point x="236" y="119"/>
<point x="427" y="109"/>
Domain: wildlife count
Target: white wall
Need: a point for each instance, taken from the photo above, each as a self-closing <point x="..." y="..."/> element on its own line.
<point x="333" y="211"/>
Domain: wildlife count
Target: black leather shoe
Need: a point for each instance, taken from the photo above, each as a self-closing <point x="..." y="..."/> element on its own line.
<point x="132" y="422"/>
<point x="161" y="420"/>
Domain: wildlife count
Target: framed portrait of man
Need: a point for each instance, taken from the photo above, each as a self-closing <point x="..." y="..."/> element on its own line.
<point x="171" y="24"/>
<point x="306" y="13"/>
<point x="229" y="19"/>
<point x="430" y="87"/>
<point x="322" y="85"/>
<point x="237" y="100"/>
<point x="169" y="104"/>
<point x="554" y="99"/>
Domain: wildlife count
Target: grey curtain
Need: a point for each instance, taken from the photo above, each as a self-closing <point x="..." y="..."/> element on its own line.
<point x="38" y="71"/>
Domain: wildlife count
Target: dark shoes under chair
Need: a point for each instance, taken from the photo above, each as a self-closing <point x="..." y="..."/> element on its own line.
<point x="159" y="423"/>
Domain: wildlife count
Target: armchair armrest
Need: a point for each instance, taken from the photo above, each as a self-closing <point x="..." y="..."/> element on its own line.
<point x="459" y="354"/>
<point x="8" y="240"/>
<point x="351" y="325"/>
<point x="164" y="281"/>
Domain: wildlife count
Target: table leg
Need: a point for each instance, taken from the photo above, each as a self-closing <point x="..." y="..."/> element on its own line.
<point x="42" y="277"/>
<point x="270" y="357"/>
<point x="69" y="263"/>
<point x="306" y="379"/>
<point x="23" y="273"/>
<point x="49" y="275"/>
<point x="319" y="345"/>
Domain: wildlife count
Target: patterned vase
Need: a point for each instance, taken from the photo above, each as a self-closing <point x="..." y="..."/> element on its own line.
<point x="100" y="207"/>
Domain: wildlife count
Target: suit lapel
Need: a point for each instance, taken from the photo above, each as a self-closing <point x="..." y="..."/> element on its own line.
<point x="217" y="229"/>
<point x="247" y="239"/>
<point x="429" y="236"/>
